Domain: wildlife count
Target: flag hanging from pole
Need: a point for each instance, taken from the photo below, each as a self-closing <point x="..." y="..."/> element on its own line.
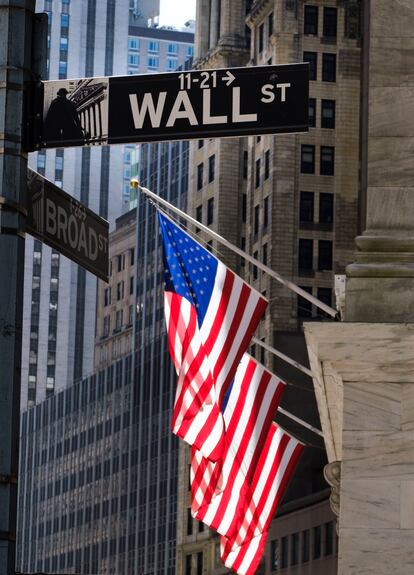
<point x="243" y="551"/>
<point x="211" y="315"/>
<point x="218" y="489"/>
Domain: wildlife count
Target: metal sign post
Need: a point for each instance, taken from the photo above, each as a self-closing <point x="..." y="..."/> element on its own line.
<point x="172" y="106"/>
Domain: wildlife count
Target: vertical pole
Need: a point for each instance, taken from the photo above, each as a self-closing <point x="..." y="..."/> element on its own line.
<point x="16" y="18"/>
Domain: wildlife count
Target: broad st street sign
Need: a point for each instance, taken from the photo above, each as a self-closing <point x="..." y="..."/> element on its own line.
<point x="68" y="226"/>
<point x="172" y="106"/>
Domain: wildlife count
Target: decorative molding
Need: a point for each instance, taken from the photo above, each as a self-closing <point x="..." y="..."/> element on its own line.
<point x="332" y="473"/>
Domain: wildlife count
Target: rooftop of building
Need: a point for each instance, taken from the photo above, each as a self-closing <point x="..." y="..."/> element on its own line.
<point x="164" y="33"/>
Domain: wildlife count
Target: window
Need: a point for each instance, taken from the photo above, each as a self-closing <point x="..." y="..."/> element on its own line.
<point x="188" y="565"/>
<point x="264" y="254"/>
<point x="254" y="269"/>
<point x="120" y="262"/>
<point x="63" y="68"/>
<point x="327" y="161"/>
<point x="132" y="256"/>
<point x="261" y="39"/>
<point x="107" y="296"/>
<point x="329" y="22"/>
<point x="307" y="162"/>
<point x="64" y="20"/>
<point x="153" y="63"/>
<point x="325" y="295"/>
<point x="200" y="563"/>
<point x="267" y="165"/>
<point x="200" y="143"/>
<point x="306" y="207"/>
<point x="312" y="58"/>
<point x="274" y="555"/>
<point x="131" y="285"/>
<point x="172" y="49"/>
<point x="317" y="542"/>
<point x="294" y="549"/>
<point x="256" y="219"/>
<point x="266" y="212"/>
<point x="326" y="208"/>
<point x="304" y="306"/>
<point x="329" y="535"/>
<point x="171" y="64"/>
<point x="189" y="522"/>
<point x="305" y="546"/>
<point x="106" y="325"/>
<point x="270" y="24"/>
<point x="328" y="114"/>
<point x="305" y="260"/>
<point x="310" y="23"/>
<point x="329" y="67"/>
<point x="119" y="290"/>
<point x="133" y="43"/>
<point x="324" y="255"/>
<point x="312" y="112"/>
<point x="133" y="60"/>
<point x="189" y="51"/>
<point x="199" y="214"/>
<point x="245" y="163"/>
<point x="200" y="169"/>
<point x="257" y="181"/>
<point x="63" y="45"/>
<point x="244" y="208"/>
<point x="285" y="552"/>
<point x="211" y="167"/>
<point x="153" y="46"/>
<point x="210" y="211"/>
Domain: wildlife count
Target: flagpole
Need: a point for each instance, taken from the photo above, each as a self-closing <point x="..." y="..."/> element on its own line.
<point x="300" y="421"/>
<point x="292" y="286"/>
<point x="285" y="358"/>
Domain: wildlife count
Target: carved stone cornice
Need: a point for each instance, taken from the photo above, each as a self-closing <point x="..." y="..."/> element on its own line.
<point x="256" y="12"/>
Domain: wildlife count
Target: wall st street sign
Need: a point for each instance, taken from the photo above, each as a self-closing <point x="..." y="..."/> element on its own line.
<point x="68" y="226"/>
<point x="173" y="106"/>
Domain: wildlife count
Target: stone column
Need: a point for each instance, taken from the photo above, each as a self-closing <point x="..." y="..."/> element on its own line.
<point x="232" y="23"/>
<point x="364" y="367"/>
<point x="214" y="23"/>
<point x="202" y="28"/>
<point x="380" y="285"/>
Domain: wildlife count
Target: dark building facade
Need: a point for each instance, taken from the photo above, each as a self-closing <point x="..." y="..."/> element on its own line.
<point x="98" y="476"/>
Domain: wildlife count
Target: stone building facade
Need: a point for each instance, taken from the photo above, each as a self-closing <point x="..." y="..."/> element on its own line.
<point x="292" y="201"/>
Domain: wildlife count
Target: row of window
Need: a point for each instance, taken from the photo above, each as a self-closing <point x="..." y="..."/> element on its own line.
<point x="327" y="160"/>
<point x="311" y="21"/>
<point x="120" y="291"/>
<point x="153" y="63"/>
<point x="119" y="262"/>
<point x="302" y="547"/>
<point x="119" y="321"/>
<point x="134" y="45"/>
<point x="328" y="66"/>
<point x="211" y="172"/>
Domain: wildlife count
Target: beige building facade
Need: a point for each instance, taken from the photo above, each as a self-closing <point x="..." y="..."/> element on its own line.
<point x="115" y="300"/>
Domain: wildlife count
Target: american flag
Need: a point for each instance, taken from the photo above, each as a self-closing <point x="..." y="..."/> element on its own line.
<point x="243" y="551"/>
<point x="211" y="315"/>
<point x="218" y="489"/>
